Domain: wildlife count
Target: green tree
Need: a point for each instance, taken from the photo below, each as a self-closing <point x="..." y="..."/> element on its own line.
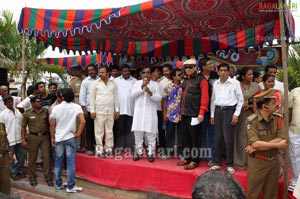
<point x="293" y="67"/>
<point x="11" y="52"/>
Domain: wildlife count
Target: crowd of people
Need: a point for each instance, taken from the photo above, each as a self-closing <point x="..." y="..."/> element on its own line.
<point x="196" y="113"/>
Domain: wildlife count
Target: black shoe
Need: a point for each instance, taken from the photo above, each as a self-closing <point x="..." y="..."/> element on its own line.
<point x="49" y="183"/>
<point x="150" y="158"/>
<point x="33" y="182"/>
<point x="136" y="157"/>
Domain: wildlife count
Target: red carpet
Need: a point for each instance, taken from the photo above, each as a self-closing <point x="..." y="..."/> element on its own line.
<point x="162" y="176"/>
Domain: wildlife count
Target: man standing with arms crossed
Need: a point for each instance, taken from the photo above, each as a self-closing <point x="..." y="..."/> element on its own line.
<point x="266" y="136"/>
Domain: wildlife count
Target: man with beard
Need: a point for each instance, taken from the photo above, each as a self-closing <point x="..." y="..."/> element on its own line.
<point x="104" y="109"/>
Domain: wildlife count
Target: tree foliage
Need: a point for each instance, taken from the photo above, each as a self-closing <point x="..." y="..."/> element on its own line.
<point x="11" y="51"/>
<point x="293" y="67"/>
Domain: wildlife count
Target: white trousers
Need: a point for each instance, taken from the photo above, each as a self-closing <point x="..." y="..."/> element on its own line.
<point x="104" y="123"/>
<point x="294" y="150"/>
<point x="139" y="140"/>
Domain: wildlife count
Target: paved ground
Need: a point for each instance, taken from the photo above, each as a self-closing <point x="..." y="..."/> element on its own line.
<point x="24" y="190"/>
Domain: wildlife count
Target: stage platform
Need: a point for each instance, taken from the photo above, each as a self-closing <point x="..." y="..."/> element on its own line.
<point x="161" y="176"/>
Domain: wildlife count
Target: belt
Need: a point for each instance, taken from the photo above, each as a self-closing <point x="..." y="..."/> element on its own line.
<point x="265" y="158"/>
<point x="39" y="134"/>
<point x="226" y="107"/>
<point x="76" y="95"/>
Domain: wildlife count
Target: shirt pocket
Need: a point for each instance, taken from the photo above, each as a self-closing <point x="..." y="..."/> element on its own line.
<point x="262" y="134"/>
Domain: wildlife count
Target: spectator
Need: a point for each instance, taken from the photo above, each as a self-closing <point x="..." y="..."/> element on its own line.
<point x="171" y="114"/>
<point x="52" y="88"/>
<point x="12" y="118"/>
<point x="225" y="108"/>
<point x="123" y="136"/>
<point x="294" y="135"/>
<point x="63" y="137"/>
<point x="240" y="138"/>
<point x="84" y="101"/>
<point x="217" y="185"/>
<point x="266" y="136"/>
<point x="194" y="105"/>
<point x="146" y="95"/>
<point x="257" y="77"/>
<point x="208" y="131"/>
<point x="104" y="106"/>
<point x="38" y="138"/>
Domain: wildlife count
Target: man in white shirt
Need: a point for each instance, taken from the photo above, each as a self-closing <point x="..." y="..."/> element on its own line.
<point x="104" y="109"/>
<point x="63" y="137"/>
<point x="3" y="93"/>
<point x="84" y="101"/>
<point x="226" y="104"/>
<point x="146" y="94"/>
<point x="25" y="104"/>
<point x="294" y="135"/>
<point x="123" y="136"/>
<point x="12" y="118"/>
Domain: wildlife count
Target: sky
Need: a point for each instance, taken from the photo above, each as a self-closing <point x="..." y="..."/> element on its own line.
<point x="16" y="6"/>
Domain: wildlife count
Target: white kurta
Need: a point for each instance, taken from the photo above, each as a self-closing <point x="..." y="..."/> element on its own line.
<point x="145" y="107"/>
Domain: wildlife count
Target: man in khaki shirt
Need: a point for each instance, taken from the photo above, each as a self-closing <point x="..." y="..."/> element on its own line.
<point x="266" y="136"/>
<point x="75" y="83"/>
<point x="37" y="121"/>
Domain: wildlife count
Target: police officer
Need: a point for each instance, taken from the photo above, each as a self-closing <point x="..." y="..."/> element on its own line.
<point x="38" y="137"/>
<point x="4" y="161"/>
<point x="266" y="136"/>
<point x="75" y="83"/>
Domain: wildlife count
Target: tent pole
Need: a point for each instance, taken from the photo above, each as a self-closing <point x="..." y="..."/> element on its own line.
<point x="23" y="87"/>
<point x="284" y="50"/>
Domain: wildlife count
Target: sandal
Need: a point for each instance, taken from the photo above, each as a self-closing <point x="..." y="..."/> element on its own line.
<point x="191" y="166"/>
<point x="230" y="170"/>
<point x="183" y="163"/>
<point x="215" y="168"/>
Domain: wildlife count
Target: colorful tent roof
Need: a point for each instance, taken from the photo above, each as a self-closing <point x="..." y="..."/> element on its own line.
<point x="159" y="27"/>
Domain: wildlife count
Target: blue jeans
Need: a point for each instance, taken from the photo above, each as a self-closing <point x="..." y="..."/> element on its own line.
<point x="20" y="152"/>
<point x="68" y="148"/>
<point x="209" y="131"/>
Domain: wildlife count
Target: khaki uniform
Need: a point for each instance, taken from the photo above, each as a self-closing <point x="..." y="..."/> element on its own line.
<point x="75" y="84"/>
<point x="263" y="175"/>
<point x="4" y="161"/>
<point x="37" y="138"/>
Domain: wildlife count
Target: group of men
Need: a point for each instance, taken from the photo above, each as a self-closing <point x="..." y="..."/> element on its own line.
<point x="28" y="129"/>
<point x="119" y="112"/>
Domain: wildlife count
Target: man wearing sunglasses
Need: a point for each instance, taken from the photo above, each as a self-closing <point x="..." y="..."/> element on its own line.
<point x="146" y="94"/>
<point x="194" y="105"/>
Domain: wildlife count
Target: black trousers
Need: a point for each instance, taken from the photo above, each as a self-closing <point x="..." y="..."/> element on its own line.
<point x="174" y="137"/>
<point x="224" y="133"/>
<point x="161" y="131"/>
<point x="90" y="133"/>
<point x="123" y="136"/>
<point x="191" y="139"/>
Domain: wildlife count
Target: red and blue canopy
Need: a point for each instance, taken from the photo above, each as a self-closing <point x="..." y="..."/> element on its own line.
<point x="159" y="27"/>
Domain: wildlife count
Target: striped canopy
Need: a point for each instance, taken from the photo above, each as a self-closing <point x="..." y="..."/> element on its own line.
<point x="159" y="27"/>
